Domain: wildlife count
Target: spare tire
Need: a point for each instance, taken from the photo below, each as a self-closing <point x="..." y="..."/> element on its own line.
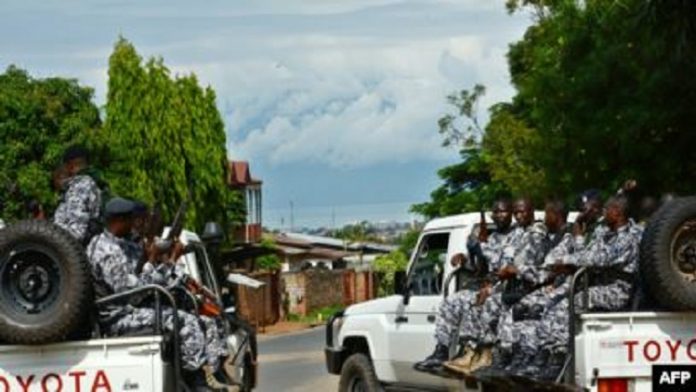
<point x="668" y="255"/>
<point x="46" y="291"/>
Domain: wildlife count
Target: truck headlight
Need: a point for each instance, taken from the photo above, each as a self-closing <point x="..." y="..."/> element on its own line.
<point x="337" y="325"/>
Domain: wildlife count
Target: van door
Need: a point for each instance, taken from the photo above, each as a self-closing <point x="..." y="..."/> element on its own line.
<point x="411" y="327"/>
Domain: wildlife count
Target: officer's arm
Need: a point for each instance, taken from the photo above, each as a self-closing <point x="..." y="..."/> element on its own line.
<point x="78" y="211"/>
<point x="118" y="274"/>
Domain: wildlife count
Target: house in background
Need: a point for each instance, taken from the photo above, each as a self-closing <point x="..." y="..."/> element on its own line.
<point x="240" y="179"/>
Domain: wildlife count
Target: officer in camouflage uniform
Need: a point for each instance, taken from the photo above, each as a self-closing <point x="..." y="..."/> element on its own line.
<point x="613" y="254"/>
<point x="519" y="262"/>
<point x="459" y="310"/>
<point x="113" y="260"/>
<point x="518" y="326"/>
<point x="79" y="211"/>
<point x="522" y="315"/>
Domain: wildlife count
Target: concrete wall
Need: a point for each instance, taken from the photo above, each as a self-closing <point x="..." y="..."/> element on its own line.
<point x="310" y="290"/>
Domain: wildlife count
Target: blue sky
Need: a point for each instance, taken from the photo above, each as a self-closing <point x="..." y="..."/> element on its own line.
<point x="333" y="102"/>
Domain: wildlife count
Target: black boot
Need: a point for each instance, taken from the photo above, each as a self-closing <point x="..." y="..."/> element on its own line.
<point x="196" y="381"/>
<point x="434" y="361"/>
<point x="554" y="366"/>
<point x="530" y="365"/>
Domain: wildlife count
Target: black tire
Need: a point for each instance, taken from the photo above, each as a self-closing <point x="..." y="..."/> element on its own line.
<point x="358" y="375"/>
<point x="46" y="292"/>
<point x="248" y="376"/>
<point x="668" y="255"/>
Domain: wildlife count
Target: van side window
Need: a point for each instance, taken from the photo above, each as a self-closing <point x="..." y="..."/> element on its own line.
<point x="425" y="276"/>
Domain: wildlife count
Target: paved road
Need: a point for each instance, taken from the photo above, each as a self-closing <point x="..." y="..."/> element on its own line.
<point x="294" y="362"/>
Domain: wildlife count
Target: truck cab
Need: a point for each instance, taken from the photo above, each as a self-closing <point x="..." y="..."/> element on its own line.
<point x="142" y="362"/>
<point x="386" y="336"/>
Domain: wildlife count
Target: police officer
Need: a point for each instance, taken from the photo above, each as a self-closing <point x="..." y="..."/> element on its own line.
<point x="459" y="310"/>
<point x="519" y="259"/>
<point x="524" y="315"/>
<point x="79" y="211"/>
<point x="113" y="266"/>
<point x="613" y="257"/>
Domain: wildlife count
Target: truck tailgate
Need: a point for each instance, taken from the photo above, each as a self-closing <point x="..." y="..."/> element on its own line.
<point x="119" y="364"/>
<point x="628" y="345"/>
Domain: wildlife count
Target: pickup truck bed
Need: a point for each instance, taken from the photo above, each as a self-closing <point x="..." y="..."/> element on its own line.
<point x="100" y="365"/>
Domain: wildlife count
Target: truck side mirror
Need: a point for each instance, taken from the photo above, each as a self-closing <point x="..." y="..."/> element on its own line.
<point x="401" y="286"/>
<point x="400" y="282"/>
<point x="212" y="234"/>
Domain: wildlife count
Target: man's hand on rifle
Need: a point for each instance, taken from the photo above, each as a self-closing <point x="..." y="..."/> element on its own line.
<point x="483" y="229"/>
<point x="563" y="269"/>
<point x="483" y="294"/>
<point x="152" y="251"/>
<point x="507" y="272"/>
<point x="176" y="252"/>
<point x="458" y="260"/>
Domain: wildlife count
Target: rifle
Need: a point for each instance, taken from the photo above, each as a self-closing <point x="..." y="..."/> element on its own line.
<point x="175" y="229"/>
<point x="209" y="305"/>
<point x="152" y="228"/>
<point x="483" y="227"/>
<point x="178" y="223"/>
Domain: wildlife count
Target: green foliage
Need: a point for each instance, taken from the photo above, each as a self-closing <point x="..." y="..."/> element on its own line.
<point x="39" y="118"/>
<point x="468" y="185"/>
<point x="358" y="232"/>
<point x="604" y="92"/>
<point x="318" y="315"/>
<point x="166" y="140"/>
<point x="269" y="261"/>
<point x="386" y="266"/>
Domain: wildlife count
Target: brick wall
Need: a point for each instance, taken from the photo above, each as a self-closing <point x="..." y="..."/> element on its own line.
<point x="310" y="290"/>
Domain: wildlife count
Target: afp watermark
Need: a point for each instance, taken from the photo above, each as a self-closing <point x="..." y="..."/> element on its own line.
<point x="673" y="378"/>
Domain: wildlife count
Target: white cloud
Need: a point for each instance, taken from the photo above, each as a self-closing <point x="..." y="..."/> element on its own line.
<point x="343" y="83"/>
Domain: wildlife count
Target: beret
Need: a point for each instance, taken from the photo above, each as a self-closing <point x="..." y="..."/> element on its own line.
<point x="119" y="206"/>
<point x="74" y="152"/>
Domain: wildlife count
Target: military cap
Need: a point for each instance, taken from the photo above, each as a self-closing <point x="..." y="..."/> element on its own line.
<point x="589" y="195"/>
<point x="139" y="207"/>
<point x="74" y="152"/>
<point x="119" y="206"/>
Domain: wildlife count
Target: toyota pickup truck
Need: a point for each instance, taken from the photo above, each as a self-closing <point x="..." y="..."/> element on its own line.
<point x="146" y="361"/>
<point x="373" y="345"/>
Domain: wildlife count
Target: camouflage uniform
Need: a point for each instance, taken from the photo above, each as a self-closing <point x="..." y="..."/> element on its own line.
<point x="113" y="267"/>
<point x="617" y="250"/>
<point x="524" y="331"/>
<point x="512" y="330"/>
<point x="79" y="211"/>
<point x="525" y="251"/>
<point x="458" y="311"/>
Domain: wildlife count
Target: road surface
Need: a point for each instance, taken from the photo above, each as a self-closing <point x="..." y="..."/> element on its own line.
<point x="294" y="362"/>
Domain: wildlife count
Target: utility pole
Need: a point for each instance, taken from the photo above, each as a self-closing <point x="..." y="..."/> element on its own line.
<point x="292" y="216"/>
<point x="333" y="218"/>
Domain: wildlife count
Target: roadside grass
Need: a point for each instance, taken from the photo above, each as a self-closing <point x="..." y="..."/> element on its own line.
<point x="318" y="315"/>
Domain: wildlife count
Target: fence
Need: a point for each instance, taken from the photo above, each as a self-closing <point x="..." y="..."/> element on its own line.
<point x="302" y="292"/>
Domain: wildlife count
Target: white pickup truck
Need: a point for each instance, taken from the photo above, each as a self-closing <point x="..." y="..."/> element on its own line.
<point x="373" y="345"/>
<point x="146" y="361"/>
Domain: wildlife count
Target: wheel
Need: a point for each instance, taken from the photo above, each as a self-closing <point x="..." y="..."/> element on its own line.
<point x="668" y="255"/>
<point x="46" y="289"/>
<point x="358" y="375"/>
<point x="248" y="375"/>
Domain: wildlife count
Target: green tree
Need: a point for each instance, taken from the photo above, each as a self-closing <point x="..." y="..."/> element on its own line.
<point x="270" y="261"/>
<point x="167" y="140"/>
<point x="604" y="92"/>
<point x="39" y="118"/>
<point x="468" y="185"/>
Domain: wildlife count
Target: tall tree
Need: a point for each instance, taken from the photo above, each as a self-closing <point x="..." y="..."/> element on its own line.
<point x="468" y="185"/>
<point x="167" y="140"/>
<point x="39" y="118"/>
